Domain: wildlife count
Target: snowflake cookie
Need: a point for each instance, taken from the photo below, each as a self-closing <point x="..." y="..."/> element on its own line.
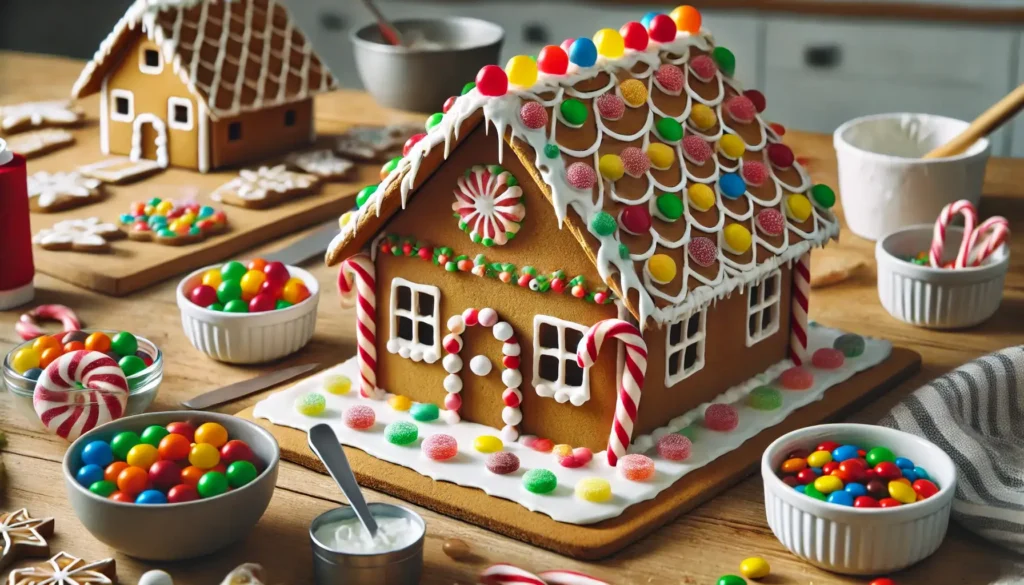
<point x="40" y="142"/>
<point x="79" y="235"/>
<point x="265" y="187"/>
<point x="172" y="223"/>
<point x="64" y="569"/>
<point x="489" y="205"/>
<point x="322" y="163"/>
<point x="22" y="536"/>
<point x="375" y="143"/>
<point x="49" y="192"/>
<point x="19" y="117"/>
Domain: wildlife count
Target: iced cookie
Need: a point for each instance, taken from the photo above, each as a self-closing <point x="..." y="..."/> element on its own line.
<point x="20" y="117"/>
<point x="22" y="536"/>
<point x="375" y="143"/>
<point x="40" y="142"/>
<point x="172" y="223"/>
<point x="49" y="192"/>
<point x="265" y="187"/>
<point x="64" y="569"/>
<point x="322" y="163"/>
<point x="79" y="235"/>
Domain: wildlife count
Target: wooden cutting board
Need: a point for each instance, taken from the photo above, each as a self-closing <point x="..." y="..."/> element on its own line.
<point x="599" y="540"/>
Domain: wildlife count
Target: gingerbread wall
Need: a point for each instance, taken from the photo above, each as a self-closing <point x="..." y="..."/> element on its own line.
<point x="150" y="94"/>
<point x="539" y="243"/>
<point x="263" y="134"/>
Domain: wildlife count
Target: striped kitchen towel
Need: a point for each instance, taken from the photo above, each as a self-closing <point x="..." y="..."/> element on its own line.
<point x="976" y="414"/>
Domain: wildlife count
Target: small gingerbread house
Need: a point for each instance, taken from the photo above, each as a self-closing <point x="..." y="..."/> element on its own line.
<point x="630" y="178"/>
<point x="204" y="84"/>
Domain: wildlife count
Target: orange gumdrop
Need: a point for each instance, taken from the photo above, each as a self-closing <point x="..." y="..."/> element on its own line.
<point x="114" y="470"/>
<point x="687" y="19"/>
<point x="44" y="343"/>
<point x="191" y="475"/>
<point x="257" y="264"/>
<point x="49" y="355"/>
<point x="122" y="497"/>
<point x="73" y="346"/>
<point x="132" y="480"/>
<point x="98" y="341"/>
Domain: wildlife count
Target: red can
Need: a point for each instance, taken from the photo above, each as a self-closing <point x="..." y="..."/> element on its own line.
<point x="16" y="267"/>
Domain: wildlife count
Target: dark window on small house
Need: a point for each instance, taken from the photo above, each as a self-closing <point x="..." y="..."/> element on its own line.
<point x="405" y="328"/>
<point x="152" y="58"/>
<point x="235" y="131"/>
<point x="181" y="113"/>
<point x="121" y="105"/>
<point x="289" y="117"/>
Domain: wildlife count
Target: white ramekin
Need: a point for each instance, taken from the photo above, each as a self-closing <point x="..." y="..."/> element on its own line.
<point x="937" y="298"/>
<point x="858" y="541"/>
<point x="248" y="338"/>
<point x="884" y="185"/>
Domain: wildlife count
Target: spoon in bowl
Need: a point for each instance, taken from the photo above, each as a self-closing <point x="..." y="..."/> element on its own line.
<point x="325" y="444"/>
<point x="387" y="30"/>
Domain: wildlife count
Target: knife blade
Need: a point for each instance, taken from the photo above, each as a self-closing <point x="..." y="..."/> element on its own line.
<point x="246" y="387"/>
<point x="305" y="248"/>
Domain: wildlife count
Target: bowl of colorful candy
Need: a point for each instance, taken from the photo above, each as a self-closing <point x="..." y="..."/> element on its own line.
<point x="857" y="499"/>
<point x="139" y="359"/>
<point x="248" y="313"/>
<point x="171" y="485"/>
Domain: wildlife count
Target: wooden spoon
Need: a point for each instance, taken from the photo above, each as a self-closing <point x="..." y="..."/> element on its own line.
<point x="387" y="30"/>
<point x="983" y="125"/>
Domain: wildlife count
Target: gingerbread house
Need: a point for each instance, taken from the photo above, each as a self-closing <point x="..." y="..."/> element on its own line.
<point x="203" y="84"/>
<point x="627" y="178"/>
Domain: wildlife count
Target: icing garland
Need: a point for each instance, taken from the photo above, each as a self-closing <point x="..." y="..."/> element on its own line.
<point x="489" y="205"/>
<point x="525" y="277"/>
<point x="511" y="415"/>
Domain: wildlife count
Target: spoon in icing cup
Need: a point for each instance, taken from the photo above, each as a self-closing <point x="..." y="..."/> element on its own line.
<point x="325" y="444"/>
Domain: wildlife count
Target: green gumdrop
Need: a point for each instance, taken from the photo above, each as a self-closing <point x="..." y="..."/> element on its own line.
<point x="670" y="206"/>
<point x="311" y="404"/>
<point x="434" y="120"/>
<point x="401" y="433"/>
<point x="216" y="307"/>
<point x="131" y="365"/>
<point x="155" y="201"/>
<point x="725" y="59"/>
<point x="669" y="130"/>
<point x="391" y="165"/>
<point x="153" y="434"/>
<point x="212" y="483"/>
<point x="124" y="343"/>
<point x="233" y="270"/>
<point x="573" y="111"/>
<point x="603" y="224"/>
<point x="166" y="233"/>
<point x="813" y="492"/>
<point x="364" y="194"/>
<point x="281" y="304"/>
<point x="878" y="455"/>
<point x="551" y="150"/>
<point x="851" y="344"/>
<point x="540" y="481"/>
<point x="123" y="442"/>
<point x="240" y="473"/>
<point x="764" y="398"/>
<point x="731" y="580"/>
<point x="229" y="290"/>
<point x="236" y="306"/>
<point x="424" y="411"/>
<point x="103" y="488"/>
<point x="468" y="87"/>
<point x="823" y="195"/>
<point x="623" y="251"/>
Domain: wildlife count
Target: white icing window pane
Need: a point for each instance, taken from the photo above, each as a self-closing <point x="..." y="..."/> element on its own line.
<point x="763" y="308"/>
<point x="573" y="373"/>
<point x="548" y="337"/>
<point x="152" y="58"/>
<point x="572" y="341"/>
<point x="122" y="105"/>
<point x="424" y="331"/>
<point x="685" y="347"/>
<point x="555" y="371"/>
<point x="404" y="298"/>
<point x="415" y="331"/>
<point x="548" y="368"/>
<point x="425" y="304"/>
<point x="405" y="328"/>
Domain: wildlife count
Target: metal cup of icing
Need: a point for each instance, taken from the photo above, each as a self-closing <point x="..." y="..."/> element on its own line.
<point x="395" y="567"/>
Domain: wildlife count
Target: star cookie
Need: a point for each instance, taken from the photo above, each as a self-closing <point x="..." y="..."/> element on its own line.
<point x="19" y="117"/>
<point x="40" y="142"/>
<point x="265" y="187"/>
<point x="64" y="569"/>
<point x="49" y="192"/>
<point x="79" y="235"/>
<point x="375" y="143"/>
<point x="23" y="536"/>
<point x="322" y="163"/>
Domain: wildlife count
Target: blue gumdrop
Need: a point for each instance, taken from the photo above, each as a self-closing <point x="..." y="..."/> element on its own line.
<point x="583" y="52"/>
<point x="904" y="463"/>
<point x="800" y="488"/>
<point x="910" y="474"/>
<point x="921" y="473"/>
<point x="732" y="185"/>
<point x="646" y="20"/>
<point x="844" y="452"/>
<point x="89" y="474"/>
<point x="151" y="497"/>
<point x="33" y="373"/>
<point x="842" y="498"/>
<point x="98" y="453"/>
<point x="856" y="489"/>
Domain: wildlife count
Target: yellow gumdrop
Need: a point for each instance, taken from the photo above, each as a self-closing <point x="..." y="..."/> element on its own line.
<point x="25" y="359"/>
<point x="143" y="455"/>
<point x="562" y="450"/>
<point x="798" y="207"/>
<point x="609" y="43"/>
<point x="594" y="489"/>
<point x="188" y="217"/>
<point x="149" y="210"/>
<point x="634" y="92"/>
<point x="400" y="403"/>
<point x="488" y="444"/>
<point x="662" y="268"/>
<point x="902" y="492"/>
<point x="827" y="484"/>
<point x="521" y="71"/>
<point x="702" y="117"/>
<point x="737" y="238"/>
<point x="344" y="219"/>
<point x="819" y="458"/>
<point x="212" y="278"/>
<point x="164" y="207"/>
<point x="755" y="568"/>
<point x="701" y="197"/>
<point x="337" y="384"/>
<point x="610" y="166"/>
<point x="661" y="155"/>
<point x="732" y="146"/>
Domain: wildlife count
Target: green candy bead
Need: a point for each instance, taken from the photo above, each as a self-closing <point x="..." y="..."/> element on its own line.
<point x="731" y="580"/>
<point x="551" y="150"/>
<point x="851" y="344"/>
<point x="725" y="59"/>
<point x="123" y="442"/>
<point x="311" y="404"/>
<point x="670" y="206"/>
<point x="879" y="455"/>
<point x="131" y="365"/>
<point x="823" y="195"/>
<point x="212" y="483"/>
<point x="153" y="434"/>
<point x="236" y="306"/>
<point x="813" y="492"/>
<point x="623" y="251"/>
<point x="233" y="270"/>
<point x="216" y="307"/>
<point x="540" y="481"/>
<point x="603" y="224"/>
<point x="165" y="233"/>
<point x="669" y="130"/>
<point x="364" y="194"/>
<point x="573" y="111"/>
<point x="229" y="290"/>
<point x="281" y="304"/>
<point x="425" y="411"/>
<point x="468" y="87"/>
<point x="764" y="398"/>
<point x="391" y="165"/>
<point x="401" y="433"/>
<point x="103" y="488"/>
<point x="434" y="120"/>
<point x="240" y="473"/>
<point x="124" y="343"/>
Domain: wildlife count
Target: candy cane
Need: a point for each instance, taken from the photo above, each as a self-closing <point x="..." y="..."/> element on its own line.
<point x="360" y="271"/>
<point x="28" y="327"/>
<point x="505" y="574"/>
<point x="568" y="578"/>
<point x="68" y="411"/>
<point x="632" y="377"/>
<point x="798" y="313"/>
<point x="995" y="230"/>
<point x="965" y="208"/>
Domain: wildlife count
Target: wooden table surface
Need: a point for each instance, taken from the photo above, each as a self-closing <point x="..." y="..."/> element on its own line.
<point x="697" y="548"/>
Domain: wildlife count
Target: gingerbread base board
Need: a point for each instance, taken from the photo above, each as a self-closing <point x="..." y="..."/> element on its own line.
<point x="599" y="540"/>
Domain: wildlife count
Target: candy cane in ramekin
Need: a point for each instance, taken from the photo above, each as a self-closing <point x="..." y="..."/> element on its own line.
<point x="986" y="239"/>
<point x="962" y="207"/>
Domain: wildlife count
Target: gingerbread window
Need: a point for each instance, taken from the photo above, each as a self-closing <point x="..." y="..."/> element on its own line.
<point x="123" y="105"/>
<point x="685" y="347"/>
<point x="763" y="301"/>
<point x="415" y="331"/>
<point x="179" y="113"/>
<point x="150" y="61"/>
<point x="555" y="370"/>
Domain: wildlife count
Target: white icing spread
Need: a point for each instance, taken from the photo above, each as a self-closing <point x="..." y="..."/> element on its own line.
<point x="255" y="185"/>
<point x="350" y="536"/>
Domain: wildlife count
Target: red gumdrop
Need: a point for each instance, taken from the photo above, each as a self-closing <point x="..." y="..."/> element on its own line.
<point x="492" y="81"/>
<point x="571" y="462"/>
<point x="754" y="173"/>
<point x="182" y="493"/>
<point x="610" y="106"/>
<point x="865" y="502"/>
<point x="703" y="67"/>
<point x="829" y="446"/>
<point x="636" y="467"/>
<point x="796" y="378"/>
<point x="261" y="303"/>
<point x="756" y="98"/>
<point x="533" y="115"/>
<point x="581" y="176"/>
<point x="448" y="103"/>
<point x="741" y="109"/>
<point x="696" y="149"/>
<point x="888" y="470"/>
<point x="635" y="161"/>
<point x="583" y="454"/>
<point x="889" y="503"/>
<point x="236" y="450"/>
<point x="554" y="60"/>
<point x="184" y="429"/>
<point x="203" y="295"/>
<point x="502" y="463"/>
<point x="721" y="417"/>
<point x="415" y="138"/>
<point x="670" y="77"/>
<point x="829" y="467"/>
<point x="780" y="155"/>
<point x="440" y="447"/>
<point x="276" y="273"/>
<point x="635" y="219"/>
<point x="662" y="29"/>
<point x="702" y="251"/>
<point x="634" y="35"/>
<point x="543" y="445"/>
<point x="790" y="480"/>
<point x="924" y="488"/>
<point x="271" y="288"/>
<point x="164" y="474"/>
<point x="359" y="417"/>
<point x="771" y="222"/>
<point x="827" y="358"/>
<point x="806" y="475"/>
<point x="674" y="447"/>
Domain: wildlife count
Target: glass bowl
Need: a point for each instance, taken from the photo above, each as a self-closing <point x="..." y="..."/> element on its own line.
<point x="142" y="386"/>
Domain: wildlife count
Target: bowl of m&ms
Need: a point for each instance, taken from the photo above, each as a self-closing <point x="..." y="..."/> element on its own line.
<point x="858" y="499"/>
<point x="138" y="359"/>
<point x="171" y="485"/>
<point x="248" y="312"/>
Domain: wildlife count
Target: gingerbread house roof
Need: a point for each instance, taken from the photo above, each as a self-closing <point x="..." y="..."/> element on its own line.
<point x="234" y="55"/>
<point x="656" y="160"/>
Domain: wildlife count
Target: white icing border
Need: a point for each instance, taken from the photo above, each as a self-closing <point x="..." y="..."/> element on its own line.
<point x="700" y="338"/>
<point x="559" y="390"/>
<point x="414" y="350"/>
<point x="174" y="124"/>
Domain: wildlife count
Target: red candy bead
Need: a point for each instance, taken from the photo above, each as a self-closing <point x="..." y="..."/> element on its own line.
<point x="828" y="358"/>
<point x="203" y="295"/>
<point x="235" y="450"/>
<point x="754" y="173"/>
<point x="635" y="161"/>
<point x="492" y="81"/>
<point x="262" y="302"/>
<point x="790" y="480"/>
<point x="670" y="78"/>
<point x="796" y="378"/>
<point x="553" y="60"/>
<point x="277" y="273"/>
<point x="780" y="155"/>
<point x="635" y="219"/>
<point x="415" y="138"/>
<point x="721" y="417"/>
<point x="611" y="106"/>
<point x="696" y="149"/>
<point x="360" y="417"/>
<point x="778" y="128"/>
<point x="829" y="467"/>
<point x="888" y="470"/>
<point x="164" y="474"/>
<point x="806" y="475"/>
<point x="827" y="446"/>
<point x="674" y="447"/>
<point x="771" y="222"/>
<point x="543" y="445"/>
<point x="851" y="470"/>
<point x="581" y="176"/>
<point x="634" y="35"/>
<point x="271" y="288"/>
<point x="662" y="29"/>
<point x="448" y="103"/>
<point x="882" y="581"/>
<point x="756" y="98"/>
<point x="741" y="109"/>
<point x="122" y="497"/>
<point x="865" y="502"/>
<point x="702" y="251"/>
<point x="533" y="115"/>
<point x="703" y="67"/>
<point x="440" y="447"/>
<point x="184" y="429"/>
<point x="889" y="503"/>
<point x="924" y="488"/>
<point x="182" y="493"/>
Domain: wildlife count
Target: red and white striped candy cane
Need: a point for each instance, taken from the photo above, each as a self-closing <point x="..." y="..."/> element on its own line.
<point x="67" y="410"/>
<point x="28" y="327"/>
<point x="962" y="207"/>
<point x="995" y="231"/>
<point x="505" y="574"/>
<point x="568" y="578"/>
<point x="359" y="274"/>
<point x="632" y="377"/>
<point x="798" y="312"/>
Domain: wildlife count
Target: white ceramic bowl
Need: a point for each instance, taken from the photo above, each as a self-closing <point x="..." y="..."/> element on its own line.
<point x="937" y="298"/>
<point x="248" y="338"/>
<point x="858" y="541"/>
<point x="884" y="183"/>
